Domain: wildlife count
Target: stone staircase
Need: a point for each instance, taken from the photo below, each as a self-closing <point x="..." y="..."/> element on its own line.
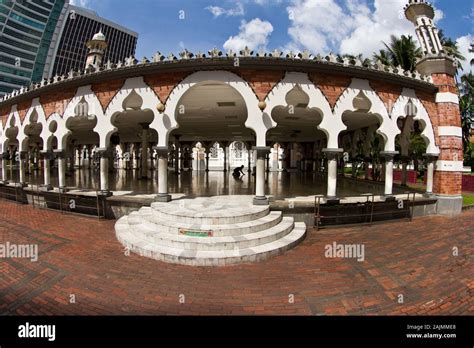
<point x="208" y="231"/>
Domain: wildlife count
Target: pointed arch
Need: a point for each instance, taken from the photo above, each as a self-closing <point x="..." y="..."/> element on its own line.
<point x="38" y="108"/>
<point x="388" y="126"/>
<point x="254" y="121"/>
<point x="329" y="125"/>
<point x="150" y="101"/>
<point x="14" y="121"/>
<point x="408" y="95"/>
<point x="83" y="94"/>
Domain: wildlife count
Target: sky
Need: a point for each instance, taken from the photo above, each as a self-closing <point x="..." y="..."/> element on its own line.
<point x="320" y="26"/>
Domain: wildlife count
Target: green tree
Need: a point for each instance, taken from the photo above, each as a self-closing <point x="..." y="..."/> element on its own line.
<point x="466" y="107"/>
<point x="417" y="149"/>
<point x="451" y="47"/>
<point x="402" y="52"/>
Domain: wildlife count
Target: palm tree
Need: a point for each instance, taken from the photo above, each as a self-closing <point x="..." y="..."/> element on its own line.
<point x="383" y="57"/>
<point x="401" y="52"/>
<point x="471" y="50"/>
<point x="451" y="47"/>
<point x="467" y="84"/>
<point x="466" y="106"/>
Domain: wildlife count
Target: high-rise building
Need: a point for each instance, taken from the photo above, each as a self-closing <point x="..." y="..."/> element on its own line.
<point x="29" y="32"/>
<point x="78" y="29"/>
<point x="43" y="38"/>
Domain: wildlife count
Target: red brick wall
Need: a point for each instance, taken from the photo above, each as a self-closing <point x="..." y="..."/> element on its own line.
<point x="445" y="83"/>
<point x="106" y="91"/>
<point x="447" y="183"/>
<point x="468" y="183"/>
<point x="4" y="113"/>
<point x="56" y="102"/>
<point x="448" y="114"/>
<point x="332" y="86"/>
<point x="23" y="109"/>
<point x="411" y="176"/>
<point x="164" y="83"/>
<point x="261" y="81"/>
<point x="389" y="93"/>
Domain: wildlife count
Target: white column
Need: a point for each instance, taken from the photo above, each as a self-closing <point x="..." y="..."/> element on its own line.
<point x="163" y="195"/>
<point x="260" y="198"/>
<point x="4" y="158"/>
<point x="427" y="41"/>
<point x="388" y="155"/>
<point x="420" y="39"/>
<point x="249" y="160"/>
<point x="332" y="156"/>
<point x="77" y="153"/>
<point x="62" y="170"/>
<point x="226" y="149"/>
<point x="429" y="173"/>
<point x="47" y="170"/>
<point x="104" y="173"/>
<point x="195" y="159"/>
<point x="135" y="157"/>
<point x="22" y="165"/>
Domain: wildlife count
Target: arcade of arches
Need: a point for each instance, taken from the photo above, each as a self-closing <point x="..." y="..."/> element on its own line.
<point x="293" y="137"/>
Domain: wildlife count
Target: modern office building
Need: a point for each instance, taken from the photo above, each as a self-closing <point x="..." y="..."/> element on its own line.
<point x="29" y="30"/>
<point x="43" y="38"/>
<point x="78" y="28"/>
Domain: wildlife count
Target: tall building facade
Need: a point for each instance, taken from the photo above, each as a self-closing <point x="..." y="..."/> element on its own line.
<point x="43" y="38"/>
<point x="29" y="32"/>
<point x="78" y="28"/>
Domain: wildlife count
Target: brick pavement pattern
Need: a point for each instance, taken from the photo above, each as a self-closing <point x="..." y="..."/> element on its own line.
<point x="80" y="256"/>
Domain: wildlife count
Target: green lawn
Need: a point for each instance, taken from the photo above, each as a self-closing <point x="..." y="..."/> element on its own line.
<point x="468" y="199"/>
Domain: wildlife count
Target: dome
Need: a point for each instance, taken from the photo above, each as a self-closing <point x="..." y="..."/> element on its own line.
<point x="99" y="36"/>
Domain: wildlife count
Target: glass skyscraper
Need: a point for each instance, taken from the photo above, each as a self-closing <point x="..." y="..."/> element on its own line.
<point x="79" y="27"/>
<point x="29" y="33"/>
<point x="43" y="38"/>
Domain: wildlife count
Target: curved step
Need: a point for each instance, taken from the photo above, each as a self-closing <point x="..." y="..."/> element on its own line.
<point x="151" y="221"/>
<point x="200" y="213"/>
<point x="152" y="235"/>
<point x="207" y="258"/>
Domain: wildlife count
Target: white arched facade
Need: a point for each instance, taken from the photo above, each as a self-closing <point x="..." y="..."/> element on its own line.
<point x="399" y="110"/>
<point x="260" y="121"/>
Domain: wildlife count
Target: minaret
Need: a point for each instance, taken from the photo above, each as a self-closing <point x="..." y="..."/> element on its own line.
<point x="444" y="168"/>
<point x="97" y="47"/>
<point x="421" y="14"/>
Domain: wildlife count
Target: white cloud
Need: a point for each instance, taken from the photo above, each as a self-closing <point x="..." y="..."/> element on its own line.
<point x="349" y="27"/>
<point x="368" y="35"/>
<point x="464" y="43"/>
<point x="267" y="2"/>
<point x="253" y="34"/>
<point x="81" y="3"/>
<point x="317" y="24"/>
<point x="218" y="11"/>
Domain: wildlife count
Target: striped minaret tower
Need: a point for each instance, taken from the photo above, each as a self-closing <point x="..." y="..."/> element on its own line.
<point x="446" y="117"/>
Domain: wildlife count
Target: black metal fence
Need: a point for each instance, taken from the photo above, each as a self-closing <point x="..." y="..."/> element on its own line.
<point x="70" y="203"/>
<point x="92" y="205"/>
<point x="13" y="193"/>
<point x="362" y="209"/>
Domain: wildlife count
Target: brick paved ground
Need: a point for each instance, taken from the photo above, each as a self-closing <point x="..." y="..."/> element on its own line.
<point x="81" y="256"/>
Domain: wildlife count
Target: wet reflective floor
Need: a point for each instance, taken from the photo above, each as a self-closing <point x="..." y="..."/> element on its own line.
<point x="199" y="183"/>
